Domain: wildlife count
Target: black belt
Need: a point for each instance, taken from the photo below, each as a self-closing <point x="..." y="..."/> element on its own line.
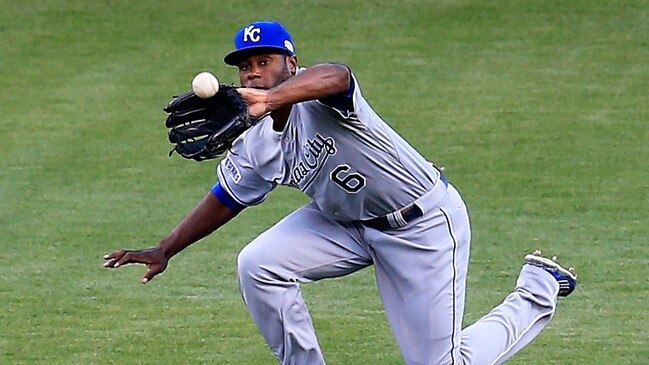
<point x="398" y="218"/>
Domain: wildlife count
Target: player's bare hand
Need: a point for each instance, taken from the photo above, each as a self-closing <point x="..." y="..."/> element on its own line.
<point x="257" y="100"/>
<point x="152" y="257"/>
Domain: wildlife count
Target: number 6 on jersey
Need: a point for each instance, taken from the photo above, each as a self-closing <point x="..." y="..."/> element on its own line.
<point x="351" y="183"/>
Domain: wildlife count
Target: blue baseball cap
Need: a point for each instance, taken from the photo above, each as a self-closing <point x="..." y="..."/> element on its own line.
<point x="260" y="37"/>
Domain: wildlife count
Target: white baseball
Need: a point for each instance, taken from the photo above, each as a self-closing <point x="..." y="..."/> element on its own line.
<point x="205" y="85"/>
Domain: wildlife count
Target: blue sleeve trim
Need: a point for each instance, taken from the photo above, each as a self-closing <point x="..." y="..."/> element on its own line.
<point x="225" y="198"/>
<point x="343" y="101"/>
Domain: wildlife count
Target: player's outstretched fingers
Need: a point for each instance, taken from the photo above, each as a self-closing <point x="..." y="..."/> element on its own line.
<point x="127" y="258"/>
<point x="113" y="258"/>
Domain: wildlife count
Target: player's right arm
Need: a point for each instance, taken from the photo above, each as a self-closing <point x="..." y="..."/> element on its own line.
<point x="206" y="217"/>
<point x="315" y="82"/>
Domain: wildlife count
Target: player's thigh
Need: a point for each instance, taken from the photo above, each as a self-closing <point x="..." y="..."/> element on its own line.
<point x="305" y="246"/>
<point x="421" y="274"/>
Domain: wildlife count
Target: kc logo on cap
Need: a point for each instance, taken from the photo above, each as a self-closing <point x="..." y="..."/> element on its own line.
<point x="251" y="33"/>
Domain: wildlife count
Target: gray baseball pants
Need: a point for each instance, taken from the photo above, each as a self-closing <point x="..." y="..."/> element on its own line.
<point x="421" y="276"/>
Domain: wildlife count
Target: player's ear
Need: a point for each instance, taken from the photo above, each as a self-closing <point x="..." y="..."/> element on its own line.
<point x="292" y="64"/>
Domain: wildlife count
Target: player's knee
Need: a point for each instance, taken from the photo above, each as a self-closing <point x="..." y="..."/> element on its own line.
<point x="261" y="268"/>
<point x="247" y="264"/>
<point x="252" y="265"/>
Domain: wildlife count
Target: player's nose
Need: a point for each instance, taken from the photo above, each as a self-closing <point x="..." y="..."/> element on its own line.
<point x="254" y="73"/>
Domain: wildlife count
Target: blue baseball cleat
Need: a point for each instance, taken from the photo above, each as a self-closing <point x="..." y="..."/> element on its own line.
<point x="566" y="277"/>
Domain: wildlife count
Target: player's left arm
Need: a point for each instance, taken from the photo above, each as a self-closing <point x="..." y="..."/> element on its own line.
<point x="316" y="82"/>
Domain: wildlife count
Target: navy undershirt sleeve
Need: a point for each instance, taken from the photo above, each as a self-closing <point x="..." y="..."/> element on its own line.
<point x="225" y="198"/>
<point x="343" y="101"/>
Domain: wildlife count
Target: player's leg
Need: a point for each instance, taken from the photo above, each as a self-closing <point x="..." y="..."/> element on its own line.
<point x="421" y="275"/>
<point x="305" y="246"/>
<point x="510" y="326"/>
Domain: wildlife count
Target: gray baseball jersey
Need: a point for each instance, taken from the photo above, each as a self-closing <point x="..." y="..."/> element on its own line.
<point x="347" y="159"/>
<point x="355" y="167"/>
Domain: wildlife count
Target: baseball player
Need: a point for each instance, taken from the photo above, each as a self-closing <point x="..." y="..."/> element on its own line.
<point x="374" y="201"/>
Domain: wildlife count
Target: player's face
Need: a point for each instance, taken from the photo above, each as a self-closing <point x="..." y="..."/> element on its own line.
<point x="266" y="70"/>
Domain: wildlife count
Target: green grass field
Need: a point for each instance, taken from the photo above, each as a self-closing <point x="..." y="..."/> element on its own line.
<point x="539" y="111"/>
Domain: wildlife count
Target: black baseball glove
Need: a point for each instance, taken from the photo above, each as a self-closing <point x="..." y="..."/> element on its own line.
<point x="202" y="129"/>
